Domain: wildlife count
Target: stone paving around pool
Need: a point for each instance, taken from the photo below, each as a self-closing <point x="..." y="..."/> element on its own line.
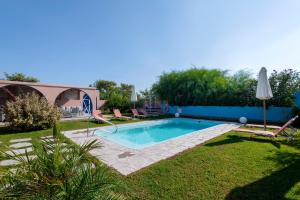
<point x="127" y="161"/>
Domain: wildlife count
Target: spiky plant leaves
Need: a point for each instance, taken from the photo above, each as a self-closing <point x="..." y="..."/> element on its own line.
<point x="59" y="171"/>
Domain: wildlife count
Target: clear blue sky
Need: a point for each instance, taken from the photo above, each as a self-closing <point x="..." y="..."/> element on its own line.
<point x="134" y="41"/>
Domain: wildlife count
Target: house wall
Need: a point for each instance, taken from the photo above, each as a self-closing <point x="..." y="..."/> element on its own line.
<point x="51" y="92"/>
<point x="65" y="101"/>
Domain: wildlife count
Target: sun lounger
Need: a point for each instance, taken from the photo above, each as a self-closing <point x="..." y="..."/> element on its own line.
<point x="118" y="115"/>
<point x="282" y="131"/>
<point x="99" y="116"/>
<point x="148" y="114"/>
<point x="136" y="113"/>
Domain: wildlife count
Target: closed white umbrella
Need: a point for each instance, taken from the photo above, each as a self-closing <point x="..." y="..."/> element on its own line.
<point x="263" y="91"/>
<point x="133" y="97"/>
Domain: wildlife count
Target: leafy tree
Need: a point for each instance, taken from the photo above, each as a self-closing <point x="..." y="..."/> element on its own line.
<point x="284" y="85"/>
<point x="59" y="171"/>
<point x="241" y="89"/>
<point x="215" y="87"/>
<point x="125" y="89"/>
<point x="20" y="77"/>
<point x="117" y="96"/>
<point x="105" y="87"/>
<point x="192" y="87"/>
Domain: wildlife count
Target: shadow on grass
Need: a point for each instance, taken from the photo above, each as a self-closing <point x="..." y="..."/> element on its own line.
<point x="296" y="142"/>
<point x="64" y="125"/>
<point x="275" y="185"/>
<point x="6" y="130"/>
<point x="231" y="139"/>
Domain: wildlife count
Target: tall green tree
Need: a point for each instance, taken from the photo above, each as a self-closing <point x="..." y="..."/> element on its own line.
<point x="117" y="96"/>
<point x="284" y="85"/>
<point x="192" y="87"/>
<point x="20" y="77"/>
<point x="216" y="87"/>
<point x="105" y="87"/>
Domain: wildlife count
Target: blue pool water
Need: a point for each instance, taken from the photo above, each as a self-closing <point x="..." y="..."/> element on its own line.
<point x="141" y="135"/>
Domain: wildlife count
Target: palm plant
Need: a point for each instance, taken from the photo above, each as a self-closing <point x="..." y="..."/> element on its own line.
<point x="59" y="171"/>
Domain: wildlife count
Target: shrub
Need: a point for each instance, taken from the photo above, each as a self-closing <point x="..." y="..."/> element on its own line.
<point x="30" y="112"/>
<point x="20" y="77"/>
<point x="59" y="171"/>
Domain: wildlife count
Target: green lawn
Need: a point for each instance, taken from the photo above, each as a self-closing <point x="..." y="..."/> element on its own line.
<point x="5" y="135"/>
<point x="232" y="166"/>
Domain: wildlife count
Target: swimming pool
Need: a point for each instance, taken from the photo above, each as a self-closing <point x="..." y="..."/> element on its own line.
<point x="141" y="135"/>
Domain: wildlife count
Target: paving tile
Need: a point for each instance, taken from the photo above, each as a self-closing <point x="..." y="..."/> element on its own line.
<point x="20" y="145"/>
<point x="8" y="162"/>
<point x="20" y="140"/>
<point x="45" y="137"/>
<point x="14" y="162"/>
<point x="30" y="157"/>
<point x="49" y="139"/>
<point x="19" y="151"/>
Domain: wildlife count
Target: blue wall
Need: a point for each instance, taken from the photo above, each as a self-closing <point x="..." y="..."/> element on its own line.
<point x="297" y="99"/>
<point x="274" y="114"/>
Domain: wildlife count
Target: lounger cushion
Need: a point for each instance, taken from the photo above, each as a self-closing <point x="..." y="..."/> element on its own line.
<point x="257" y="132"/>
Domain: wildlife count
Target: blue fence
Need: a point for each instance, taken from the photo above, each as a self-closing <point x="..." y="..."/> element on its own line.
<point x="297" y="101"/>
<point x="274" y="114"/>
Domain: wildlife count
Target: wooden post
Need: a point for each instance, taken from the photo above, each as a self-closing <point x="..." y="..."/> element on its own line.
<point x="265" y="114"/>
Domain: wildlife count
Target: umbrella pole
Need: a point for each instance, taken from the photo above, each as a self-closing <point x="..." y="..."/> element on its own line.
<point x="265" y="121"/>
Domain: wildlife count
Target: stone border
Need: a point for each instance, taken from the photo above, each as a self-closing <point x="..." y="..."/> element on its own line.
<point x="127" y="160"/>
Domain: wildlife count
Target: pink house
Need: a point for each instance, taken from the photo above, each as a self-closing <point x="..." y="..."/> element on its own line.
<point x="71" y="99"/>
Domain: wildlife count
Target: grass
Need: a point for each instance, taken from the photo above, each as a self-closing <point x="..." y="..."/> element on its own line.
<point x="65" y="126"/>
<point x="6" y="135"/>
<point x="229" y="167"/>
<point x="232" y="166"/>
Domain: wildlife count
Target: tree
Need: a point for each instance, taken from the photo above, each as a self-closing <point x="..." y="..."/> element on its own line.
<point x="242" y="89"/>
<point x="125" y="89"/>
<point x="105" y="87"/>
<point x="215" y="87"/>
<point x="192" y="87"/>
<point x="117" y="96"/>
<point x="284" y="85"/>
<point x="20" y="77"/>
